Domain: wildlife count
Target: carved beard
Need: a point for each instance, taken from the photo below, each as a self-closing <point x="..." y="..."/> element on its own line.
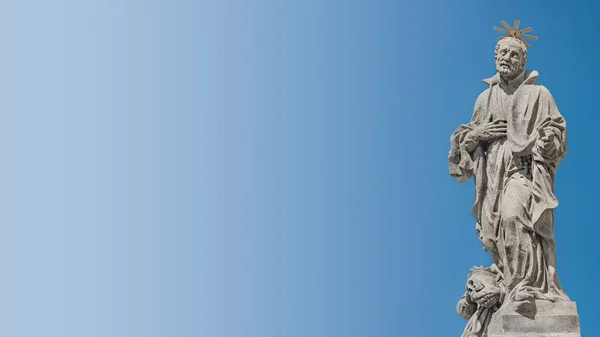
<point x="512" y="71"/>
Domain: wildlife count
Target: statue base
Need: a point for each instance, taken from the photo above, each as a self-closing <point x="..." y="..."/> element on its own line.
<point x="547" y="319"/>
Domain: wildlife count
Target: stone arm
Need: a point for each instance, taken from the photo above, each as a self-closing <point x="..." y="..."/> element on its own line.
<point x="464" y="142"/>
<point x="550" y="146"/>
<point x="484" y="133"/>
<point x="551" y="133"/>
<point x="471" y="141"/>
<point x="465" y="149"/>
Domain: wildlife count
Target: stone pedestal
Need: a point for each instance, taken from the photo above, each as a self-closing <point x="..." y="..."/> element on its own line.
<point x="548" y="319"/>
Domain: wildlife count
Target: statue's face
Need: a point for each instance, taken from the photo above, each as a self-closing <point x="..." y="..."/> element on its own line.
<point x="510" y="58"/>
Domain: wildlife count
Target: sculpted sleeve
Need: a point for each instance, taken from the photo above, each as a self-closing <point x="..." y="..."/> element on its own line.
<point x="555" y="122"/>
<point x="462" y="159"/>
<point x="465" y="308"/>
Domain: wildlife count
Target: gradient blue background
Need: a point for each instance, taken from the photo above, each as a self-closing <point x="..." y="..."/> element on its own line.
<point x="265" y="168"/>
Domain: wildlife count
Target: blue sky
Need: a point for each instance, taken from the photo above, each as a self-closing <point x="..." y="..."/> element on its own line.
<point x="265" y="168"/>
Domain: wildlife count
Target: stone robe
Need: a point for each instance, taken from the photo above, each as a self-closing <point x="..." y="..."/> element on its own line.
<point x="514" y="183"/>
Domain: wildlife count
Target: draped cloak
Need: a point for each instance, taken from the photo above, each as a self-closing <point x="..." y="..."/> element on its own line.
<point x="501" y="187"/>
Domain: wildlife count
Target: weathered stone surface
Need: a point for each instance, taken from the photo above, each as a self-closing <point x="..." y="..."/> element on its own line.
<point x="539" y="335"/>
<point x="558" y="319"/>
<point x="512" y="147"/>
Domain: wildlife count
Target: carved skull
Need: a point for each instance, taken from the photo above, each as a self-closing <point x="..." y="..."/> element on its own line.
<point x="479" y="281"/>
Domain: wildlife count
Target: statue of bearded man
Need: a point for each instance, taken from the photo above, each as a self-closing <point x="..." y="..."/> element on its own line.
<point x="511" y="147"/>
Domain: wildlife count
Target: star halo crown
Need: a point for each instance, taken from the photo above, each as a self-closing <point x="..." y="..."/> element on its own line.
<point x="515" y="32"/>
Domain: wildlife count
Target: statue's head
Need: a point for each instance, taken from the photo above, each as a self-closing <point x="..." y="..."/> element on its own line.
<point x="511" y="57"/>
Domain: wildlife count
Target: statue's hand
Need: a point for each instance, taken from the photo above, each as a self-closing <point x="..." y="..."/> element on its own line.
<point x="493" y="130"/>
<point x="545" y="142"/>
<point x="487" y="297"/>
<point x="489" y="131"/>
<point x="485" y="132"/>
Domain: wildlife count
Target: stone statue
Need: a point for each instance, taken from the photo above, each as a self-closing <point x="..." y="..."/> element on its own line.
<point x="511" y="147"/>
